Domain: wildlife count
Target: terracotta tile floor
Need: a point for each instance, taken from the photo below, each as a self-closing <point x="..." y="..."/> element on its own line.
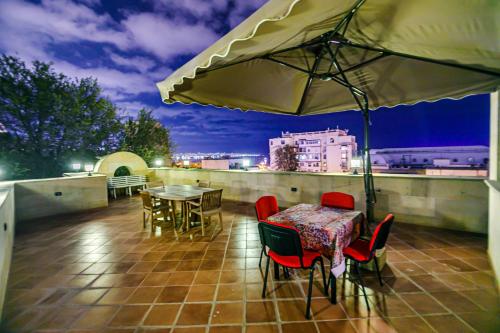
<point x="101" y="272"/>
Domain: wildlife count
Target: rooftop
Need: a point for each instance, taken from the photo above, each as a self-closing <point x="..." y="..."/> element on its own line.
<point x="100" y="271"/>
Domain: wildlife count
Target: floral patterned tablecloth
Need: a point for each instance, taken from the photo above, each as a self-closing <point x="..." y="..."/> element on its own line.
<point x="328" y="230"/>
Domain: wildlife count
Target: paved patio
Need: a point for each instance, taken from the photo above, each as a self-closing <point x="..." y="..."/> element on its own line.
<point x="101" y="272"/>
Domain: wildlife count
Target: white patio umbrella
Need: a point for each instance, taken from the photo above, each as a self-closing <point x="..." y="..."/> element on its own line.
<point x="304" y="57"/>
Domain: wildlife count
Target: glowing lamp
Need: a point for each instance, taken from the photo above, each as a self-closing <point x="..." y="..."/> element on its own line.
<point x="88" y="167"/>
<point x="76" y="166"/>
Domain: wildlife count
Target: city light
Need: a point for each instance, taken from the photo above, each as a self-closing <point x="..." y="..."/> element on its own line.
<point x="88" y="167"/>
<point x="76" y="166"/>
<point x="356" y="162"/>
<point x="158" y="162"/>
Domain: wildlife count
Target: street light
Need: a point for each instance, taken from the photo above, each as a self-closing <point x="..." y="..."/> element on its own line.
<point x="88" y="167"/>
<point x="76" y="166"/>
<point x="356" y="163"/>
<point x="158" y="162"/>
<point x="246" y="164"/>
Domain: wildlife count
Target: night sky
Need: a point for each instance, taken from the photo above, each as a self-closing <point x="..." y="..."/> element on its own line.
<point x="130" y="45"/>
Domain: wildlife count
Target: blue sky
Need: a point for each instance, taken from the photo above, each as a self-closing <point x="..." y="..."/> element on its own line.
<point x="130" y="45"/>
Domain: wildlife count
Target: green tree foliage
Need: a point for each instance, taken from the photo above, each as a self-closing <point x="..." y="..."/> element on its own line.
<point x="147" y="137"/>
<point x="51" y="120"/>
<point x="286" y="158"/>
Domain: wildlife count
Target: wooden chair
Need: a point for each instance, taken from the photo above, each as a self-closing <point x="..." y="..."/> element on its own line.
<point x="154" y="211"/>
<point x="204" y="183"/>
<point x="209" y="205"/>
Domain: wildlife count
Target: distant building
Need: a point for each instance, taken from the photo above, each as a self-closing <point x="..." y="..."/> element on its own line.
<point x="432" y="160"/>
<point x="321" y="151"/>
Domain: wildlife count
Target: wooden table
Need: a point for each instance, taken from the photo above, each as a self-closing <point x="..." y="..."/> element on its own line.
<point x="325" y="229"/>
<point x="179" y="193"/>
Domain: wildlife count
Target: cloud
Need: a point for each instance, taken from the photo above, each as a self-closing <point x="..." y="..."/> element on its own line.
<point x="140" y="64"/>
<point x="168" y="38"/>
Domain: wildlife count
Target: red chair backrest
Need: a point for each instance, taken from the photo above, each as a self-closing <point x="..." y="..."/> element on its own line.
<point x="281" y="239"/>
<point x="337" y="200"/>
<point x="266" y="206"/>
<point x="381" y="233"/>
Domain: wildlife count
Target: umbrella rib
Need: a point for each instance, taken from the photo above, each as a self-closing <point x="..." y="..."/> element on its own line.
<point x="309" y="82"/>
<point x="287" y="64"/>
<point x="405" y="55"/>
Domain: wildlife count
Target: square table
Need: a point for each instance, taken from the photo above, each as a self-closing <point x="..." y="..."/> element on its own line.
<point x="180" y="193"/>
<point x="324" y="229"/>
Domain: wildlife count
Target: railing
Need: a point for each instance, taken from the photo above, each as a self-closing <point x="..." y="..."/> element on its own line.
<point x="459" y="203"/>
<point x="6" y="236"/>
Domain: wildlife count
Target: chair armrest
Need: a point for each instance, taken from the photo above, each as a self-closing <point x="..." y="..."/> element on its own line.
<point x="193" y="203"/>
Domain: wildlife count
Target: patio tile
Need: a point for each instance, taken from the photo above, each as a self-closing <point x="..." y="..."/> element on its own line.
<point x="194" y="314"/>
<point x="129" y="315"/>
<point x="117" y="277"/>
<point x="292" y="310"/>
<point x="163" y="314"/>
<point x="144" y="295"/>
<point x="227" y="313"/>
<point x="260" y="312"/>
<point x="448" y="323"/>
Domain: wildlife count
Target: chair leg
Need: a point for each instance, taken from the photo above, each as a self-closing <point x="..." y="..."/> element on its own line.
<point x="309" y="292"/>
<point x="358" y="272"/>
<point x="202" y="225"/>
<point x="286" y="273"/>
<point x="378" y="271"/>
<point x="261" y="254"/>
<point x="265" y="278"/>
<point x="220" y="221"/>
<point x="143" y="219"/>
<point x="325" y="286"/>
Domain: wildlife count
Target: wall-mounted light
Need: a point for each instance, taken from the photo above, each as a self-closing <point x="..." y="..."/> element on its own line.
<point x="76" y="166"/>
<point x="158" y="162"/>
<point x="186" y="163"/>
<point x="88" y="167"/>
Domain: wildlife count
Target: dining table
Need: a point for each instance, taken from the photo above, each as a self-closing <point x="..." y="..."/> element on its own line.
<point x="324" y="229"/>
<point x="181" y="194"/>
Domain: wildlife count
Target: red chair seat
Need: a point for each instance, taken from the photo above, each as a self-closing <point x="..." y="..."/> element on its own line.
<point x="294" y="261"/>
<point x="358" y="250"/>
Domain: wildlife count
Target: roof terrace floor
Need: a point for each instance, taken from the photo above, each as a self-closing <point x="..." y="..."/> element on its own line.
<point x="100" y="271"/>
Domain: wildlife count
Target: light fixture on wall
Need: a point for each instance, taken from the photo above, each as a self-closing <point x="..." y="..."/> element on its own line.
<point x="76" y="166"/>
<point x="186" y="163"/>
<point x="356" y="163"/>
<point x="246" y="164"/>
<point x="88" y="167"/>
<point x="158" y="162"/>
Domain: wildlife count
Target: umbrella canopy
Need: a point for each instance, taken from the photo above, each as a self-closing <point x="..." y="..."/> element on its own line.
<point x="291" y="56"/>
<point x="303" y="57"/>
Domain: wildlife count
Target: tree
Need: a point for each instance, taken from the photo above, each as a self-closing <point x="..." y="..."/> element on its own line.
<point x="286" y="158"/>
<point x="51" y="119"/>
<point x="147" y="137"/>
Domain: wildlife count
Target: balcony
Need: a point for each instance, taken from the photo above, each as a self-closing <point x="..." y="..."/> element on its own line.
<point x="97" y="269"/>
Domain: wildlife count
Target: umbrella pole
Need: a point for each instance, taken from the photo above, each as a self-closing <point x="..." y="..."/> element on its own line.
<point x="367" y="166"/>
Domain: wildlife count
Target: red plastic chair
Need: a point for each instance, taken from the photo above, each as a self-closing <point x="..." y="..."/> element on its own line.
<point x="362" y="251"/>
<point x="265" y="207"/>
<point x="337" y="200"/>
<point x="285" y="248"/>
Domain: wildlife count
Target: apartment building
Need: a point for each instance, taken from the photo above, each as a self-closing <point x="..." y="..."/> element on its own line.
<point x="322" y="151"/>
